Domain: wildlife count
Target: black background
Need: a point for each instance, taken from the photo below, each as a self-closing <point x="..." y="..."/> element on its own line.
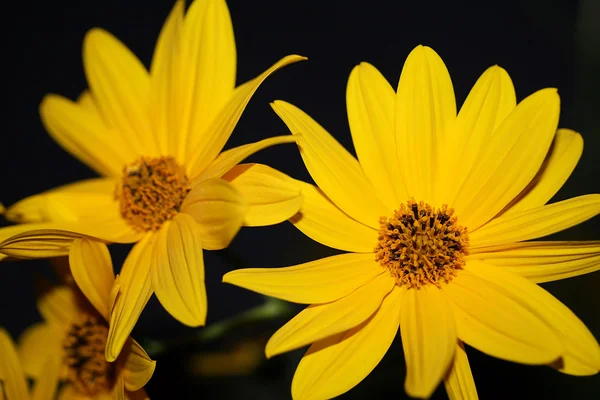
<point x="540" y="43"/>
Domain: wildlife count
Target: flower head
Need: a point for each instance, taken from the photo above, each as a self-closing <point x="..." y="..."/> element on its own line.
<point x="435" y="214"/>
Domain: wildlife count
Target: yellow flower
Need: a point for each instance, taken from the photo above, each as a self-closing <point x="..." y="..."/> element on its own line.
<point x="435" y="214"/>
<point x="70" y="344"/>
<point x="156" y="138"/>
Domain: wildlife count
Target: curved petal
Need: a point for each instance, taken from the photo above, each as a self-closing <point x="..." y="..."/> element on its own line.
<point x="92" y="270"/>
<point x="425" y="110"/>
<point x="499" y="323"/>
<point x="46" y="384"/>
<point x="219" y="209"/>
<point x="83" y="134"/>
<point x="370" y="101"/>
<point x="332" y="167"/>
<point x="58" y="306"/>
<point x="544" y="261"/>
<point x="11" y="374"/>
<point x="178" y="271"/>
<point x="334" y="365"/>
<point x="561" y="160"/>
<point x="536" y="222"/>
<point x="581" y="352"/>
<point x="317" y="322"/>
<point x="510" y="159"/>
<point x="459" y="381"/>
<point x="36" y="344"/>
<point x="323" y="221"/>
<point x="320" y="281"/>
<point x="210" y="143"/>
<point x="121" y="87"/>
<point x="490" y="100"/>
<point x="131" y="291"/>
<point x="429" y="339"/>
<point x="139" y="368"/>
<point x="272" y="196"/>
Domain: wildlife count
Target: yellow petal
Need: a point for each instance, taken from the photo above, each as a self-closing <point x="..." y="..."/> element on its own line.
<point x="11" y="375"/>
<point x="134" y="291"/>
<point x="118" y="391"/>
<point x="219" y="210"/>
<point x="332" y="167"/>
<point x="560" y="162"/>
<point x="316" y="322"/>
<point x="272" y="196"/>
<point x="58" y="306"/>
<point x="425" y="110"/>
<point x="211" y="141"/>
<point x="499" y="323"/>
<point x="544" y="261"/>
<point x="490" y="100"/>
<point x="207" y="70"/>
<point x="139" y="368"/>
<point x="336" y="364"/>
<point x="580" y="351"/>
<point x="93" y="273"/>
<point x="36" y="344"/>
<point x="320" y="281"/>
<point x="459" y="381"/>
<point x="323" y="221"/>
<point x="121" y="87"/>
<point x="137" y="395"/>
<point x="429" y="339"/>
<point x="536" y="222"/>
<point x="370" y="101"/>
<point x="178" y="271"/>
<point x="83" y="134"/>
<point x="510" y="159"/>
<point x="232" y="157"/>
<point x="46" y="385"/>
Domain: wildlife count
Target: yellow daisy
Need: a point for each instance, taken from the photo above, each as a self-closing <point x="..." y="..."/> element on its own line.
<point x="156" y="138"/>
<point x="435" y="214"/>
<point x="70" y="344"/>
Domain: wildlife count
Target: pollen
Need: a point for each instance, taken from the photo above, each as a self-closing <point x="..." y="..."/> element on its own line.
<point x="421" y="245"/>
<point x="151" y="192"/>
<point x="87" y="369"/>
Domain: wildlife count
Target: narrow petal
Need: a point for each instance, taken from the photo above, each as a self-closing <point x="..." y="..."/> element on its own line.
<point x="121" y="87"/>
<point x="425" y="110"/>
<point x="134" y="291"/>
<point x="320" y="281"/>
<point x="560" y="162"/>
<point x="118" y="391"/>
<point x="178" y="271"/>
<point x="510" y="159"/>
<point x="323" y="221"/>
<point x="58" y="306"/>
<point x="83" y="134"/>
<point x="498" y="323"/>
<point x="334" y="365"/>
<point x="489" y="102"/>
<point x="11" y="374"/>
<point x="459" y="381"/>
<point x="36" y="344"/>
<point x="317" y="322"/>
<point x="429" y="339"/>
<point x="544" y="261"/>
<point x="370" y="101"/>
<point x="333" y="168"/>
<point x="272" y="196"/>
<point x="46" y="384"/>
<point x="581" y="352"/>
<point x="232" y="157"/>
<point x="211" y="141"/>
<point x="93" y="273"/>
<point x="536" y="222"/>
<point x="219" y="209"/>
<point x="139" y="368"/>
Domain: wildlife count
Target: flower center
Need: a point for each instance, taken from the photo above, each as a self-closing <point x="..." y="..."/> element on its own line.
<point x="151" y="192"/>
<point x="420" y="245"/>
<point x="87" y="369"/>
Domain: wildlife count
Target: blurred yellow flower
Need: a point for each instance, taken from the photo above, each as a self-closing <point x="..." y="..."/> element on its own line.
<point x="435" y="213"/>
<point x="156" y="138"/>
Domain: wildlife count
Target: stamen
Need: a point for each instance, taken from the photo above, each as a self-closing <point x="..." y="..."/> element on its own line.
<point x="420" y="245"/>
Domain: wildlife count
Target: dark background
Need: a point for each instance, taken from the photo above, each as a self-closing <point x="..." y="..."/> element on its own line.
<point x="540" y="43"/>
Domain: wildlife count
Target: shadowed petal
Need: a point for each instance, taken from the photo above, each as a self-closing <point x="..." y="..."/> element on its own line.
<point x="138" y="368"/>
<point x="459" y="381"/>
<point x="36" y="344"/>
